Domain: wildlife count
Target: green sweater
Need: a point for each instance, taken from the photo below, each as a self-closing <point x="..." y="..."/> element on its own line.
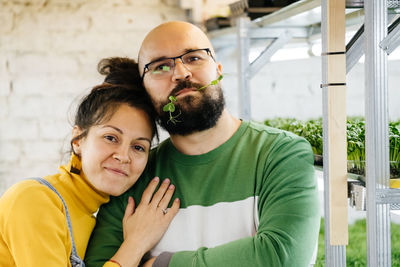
<point x="253" y="201"/>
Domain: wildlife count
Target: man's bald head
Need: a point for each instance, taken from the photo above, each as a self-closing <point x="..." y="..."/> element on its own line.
<point x="171" y="39"/>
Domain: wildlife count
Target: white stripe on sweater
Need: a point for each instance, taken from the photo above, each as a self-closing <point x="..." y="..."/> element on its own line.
<point x="198" y="226"/>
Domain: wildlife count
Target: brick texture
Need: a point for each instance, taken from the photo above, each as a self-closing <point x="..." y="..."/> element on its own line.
<point x="49" y="50"/>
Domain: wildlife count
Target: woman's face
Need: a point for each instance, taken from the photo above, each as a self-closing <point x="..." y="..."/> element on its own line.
<point x="115" y="153"/>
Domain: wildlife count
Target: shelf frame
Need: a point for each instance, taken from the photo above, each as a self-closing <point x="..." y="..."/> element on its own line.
<point x="376" y="44"/>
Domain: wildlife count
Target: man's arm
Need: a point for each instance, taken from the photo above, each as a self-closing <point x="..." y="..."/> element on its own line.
<point x="288" y="211"/>
<point x="107" y="235"/>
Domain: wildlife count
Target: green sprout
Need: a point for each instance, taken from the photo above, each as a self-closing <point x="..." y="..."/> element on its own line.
<point x="170" y="107"/>
<point x="214" y="82"/>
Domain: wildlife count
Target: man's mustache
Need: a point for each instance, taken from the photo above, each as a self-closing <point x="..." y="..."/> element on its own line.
<point x="184" y="84"/>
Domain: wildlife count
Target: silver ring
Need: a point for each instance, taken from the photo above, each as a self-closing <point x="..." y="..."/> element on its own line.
<point x="165" y="211"/>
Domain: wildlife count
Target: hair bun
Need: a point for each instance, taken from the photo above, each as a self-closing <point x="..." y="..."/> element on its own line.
<point x="119" y="70"/>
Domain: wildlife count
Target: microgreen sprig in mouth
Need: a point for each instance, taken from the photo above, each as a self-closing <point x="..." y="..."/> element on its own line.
<point x="214" y="82"/>
<point x="170" y="107"/>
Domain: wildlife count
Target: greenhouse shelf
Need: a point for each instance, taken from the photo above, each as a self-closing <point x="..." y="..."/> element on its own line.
<point x="306" y="20"/>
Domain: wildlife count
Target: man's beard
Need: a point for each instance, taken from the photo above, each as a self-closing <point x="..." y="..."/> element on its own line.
<point x="194" y="114"/>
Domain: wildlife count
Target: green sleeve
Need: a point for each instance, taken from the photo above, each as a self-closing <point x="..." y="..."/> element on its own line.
<point x="289" y="217"/>
<point x="107" y="235"/>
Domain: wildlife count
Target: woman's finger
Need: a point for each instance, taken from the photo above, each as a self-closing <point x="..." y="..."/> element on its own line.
<point x="173" y="210"/>
<point x="148" y="192"/>
<point x="130" y="207"/>
<point x="160" y="193"/>
<point x="167" y="197"/>
<point x="129" y="210"/>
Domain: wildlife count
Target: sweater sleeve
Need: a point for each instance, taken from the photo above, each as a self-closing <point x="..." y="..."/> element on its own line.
<point x="36" y="231"/>
<point x="107" y="235"/>
<point x="289" y="218"/>
<point x="111" y="264"/>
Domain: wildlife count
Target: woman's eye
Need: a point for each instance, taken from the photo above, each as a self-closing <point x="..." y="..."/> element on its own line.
<point x="110" y="138"/>
<point x="139" y="148"/>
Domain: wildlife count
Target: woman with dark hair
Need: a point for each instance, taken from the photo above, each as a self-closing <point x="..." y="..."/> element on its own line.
<point x="48" y="222"/>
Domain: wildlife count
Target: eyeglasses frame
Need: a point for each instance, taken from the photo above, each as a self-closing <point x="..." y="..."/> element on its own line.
<point x="146" y="67"/>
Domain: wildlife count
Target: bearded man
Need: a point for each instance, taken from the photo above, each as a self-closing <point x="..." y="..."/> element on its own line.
<point x="248" y="192"/>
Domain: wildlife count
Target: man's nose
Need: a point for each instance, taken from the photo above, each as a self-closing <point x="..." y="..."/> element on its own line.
<point x="181" y="72"/>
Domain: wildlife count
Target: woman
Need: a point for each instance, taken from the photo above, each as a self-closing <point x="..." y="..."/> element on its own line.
<point x="114" y="127"/>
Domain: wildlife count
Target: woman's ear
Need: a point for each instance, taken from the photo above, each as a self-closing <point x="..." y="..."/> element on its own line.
<point x="76" y="143"/>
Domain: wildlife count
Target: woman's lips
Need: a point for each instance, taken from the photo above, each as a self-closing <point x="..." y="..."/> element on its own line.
<point x="116" y="171"/>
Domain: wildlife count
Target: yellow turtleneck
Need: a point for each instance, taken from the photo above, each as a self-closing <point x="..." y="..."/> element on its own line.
<point x="33" y="226"/>
<point x="395" y="183"/>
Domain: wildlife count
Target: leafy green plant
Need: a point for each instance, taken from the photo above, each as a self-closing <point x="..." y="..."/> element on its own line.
<point x="394" y="146"/>
<point x="170" y="107"/>
<point x="312" y="131"/>
<point x="355" y="145"/>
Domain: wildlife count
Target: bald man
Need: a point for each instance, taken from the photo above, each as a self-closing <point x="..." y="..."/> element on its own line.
<point x="248" y="192"/>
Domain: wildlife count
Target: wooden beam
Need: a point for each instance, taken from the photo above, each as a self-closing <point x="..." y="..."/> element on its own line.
<point x="336" y="86"/>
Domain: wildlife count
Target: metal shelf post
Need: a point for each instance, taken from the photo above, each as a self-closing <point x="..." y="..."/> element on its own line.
<point x="243" y="67"/>
<point x="376" y="134"/>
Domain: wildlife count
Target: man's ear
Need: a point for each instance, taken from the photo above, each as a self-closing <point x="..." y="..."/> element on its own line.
<point x="219" y="68"/>
<point x="76" y="144"/>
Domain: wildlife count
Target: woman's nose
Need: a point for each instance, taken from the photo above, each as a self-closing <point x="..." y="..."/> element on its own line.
<point x="122" y="155"/>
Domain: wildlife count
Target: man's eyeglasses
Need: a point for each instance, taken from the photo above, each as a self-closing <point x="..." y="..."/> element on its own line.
<point x="163" y="68"/>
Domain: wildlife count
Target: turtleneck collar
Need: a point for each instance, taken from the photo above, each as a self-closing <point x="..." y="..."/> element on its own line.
<point x="79" y="188"/>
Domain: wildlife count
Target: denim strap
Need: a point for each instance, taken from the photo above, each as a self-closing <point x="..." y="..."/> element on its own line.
<point x="75" y="260"/>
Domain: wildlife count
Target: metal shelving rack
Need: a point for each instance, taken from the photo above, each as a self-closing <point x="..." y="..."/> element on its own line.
<point x="300" y="22"/>
<point x="379" y="195"/>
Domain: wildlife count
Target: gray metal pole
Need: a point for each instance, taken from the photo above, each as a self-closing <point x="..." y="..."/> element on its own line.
<point x="242" y="24"/>
<point x="335" y="256"/>
<point x="376" y="134"/>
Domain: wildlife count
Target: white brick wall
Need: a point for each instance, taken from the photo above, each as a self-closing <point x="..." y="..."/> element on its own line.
<point x="18" y="129"/>
<point x="6" y="21"/>
<point x="49" y="52"/>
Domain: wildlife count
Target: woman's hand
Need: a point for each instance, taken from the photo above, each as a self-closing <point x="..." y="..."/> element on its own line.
<point x="151" y="218"/>
<point x="145" y="226"/>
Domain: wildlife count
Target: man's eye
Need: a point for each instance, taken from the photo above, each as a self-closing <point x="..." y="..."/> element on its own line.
<point x="193" y="58"/>
<point x="163" y="67"/>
